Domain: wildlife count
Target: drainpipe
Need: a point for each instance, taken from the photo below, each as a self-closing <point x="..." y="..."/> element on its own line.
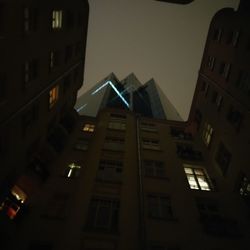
<point x="142" y="224"/>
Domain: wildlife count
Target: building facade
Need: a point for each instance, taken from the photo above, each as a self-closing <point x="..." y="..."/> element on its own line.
<point x="42" y="47"/>
<point x="147" y="99"/>
<point x="126" y="180"/>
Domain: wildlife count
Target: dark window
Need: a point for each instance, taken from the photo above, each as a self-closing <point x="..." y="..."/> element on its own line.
<point x="66" y="83"/>
<point x="57" y="207"/>
<point x="30" y="16"/>
<point x="214" y="96"/>
<point x="233" y="38"/>
<point x="40" y="246"/>
<point x="103" y="215"/>
<point x="213" y="222"/>
<point x="148" y="127"/>
<point x="235" y="118"/>
<point x="114" y="143"/>
<point x="248" y="45"/>
<point x="76" y="75"/>
<point x="38" y="167"/>
<point x="198" y="118"/>
<point x="211" y="62"/>
<point x="205" y="88"/>
<point x="154" y="168"/>
<point x="78" y="48"/>
<point x="223" y="158"/>
<point x="178" y="133"/>
<point x="186" y="152"/>
<point x="110" y="170"/>
<point x="29" y="118"/>
<point x="151" y="144"/>
<point x="1" y="18"/>
<point x="79" y="19"/>
<point x="243" y="82"/>
<point x="54" y="59"/>
<point x="217" y="34"/>
<point x="82" y="145"/>
<point x="2" y="86"/>
<point x="161" y="247"/>
<point x="68" y="53"/>
<point x="217" y="99"/>
<point x="70" y="19"/>
<point x="30" y="71"/>
<point x="159" y="207"/>
<point x="118" y="116"/>
<point x="225" y="69"/>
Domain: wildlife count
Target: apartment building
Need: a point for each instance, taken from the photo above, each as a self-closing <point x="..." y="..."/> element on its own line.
<point x="42" y="47"/>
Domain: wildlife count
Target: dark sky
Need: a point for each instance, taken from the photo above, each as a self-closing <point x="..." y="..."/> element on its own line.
<point x="152" y="39"/>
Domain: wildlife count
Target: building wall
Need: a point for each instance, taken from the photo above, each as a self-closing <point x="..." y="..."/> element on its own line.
<point x="42" y="51"/>
<point x="157" y="208"/>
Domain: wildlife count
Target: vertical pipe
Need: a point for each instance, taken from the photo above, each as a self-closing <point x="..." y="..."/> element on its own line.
<point x="142" y="224"/>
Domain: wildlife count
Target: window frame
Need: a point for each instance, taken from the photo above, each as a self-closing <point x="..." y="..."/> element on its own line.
<point x="197" y="173"/>
<point x="56" y="19"/>
<point x="53" y="96"/>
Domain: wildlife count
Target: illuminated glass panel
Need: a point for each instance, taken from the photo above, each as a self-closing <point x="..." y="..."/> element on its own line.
<point x="207" y="133"/>
<point x="53" y="96"/>
<point x="10" y="207"/>
<point x="72" y="171"/>
<point x="89" y="128"/>
<point x="19" y="194"/>
<point x="57" y="19"/>
<point x="197" y="178"/>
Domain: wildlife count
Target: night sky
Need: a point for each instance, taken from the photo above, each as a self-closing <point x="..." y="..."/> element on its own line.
<point x="152" y="39"/>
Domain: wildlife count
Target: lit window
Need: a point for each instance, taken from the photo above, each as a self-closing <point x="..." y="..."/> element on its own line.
<point x="223" y="158"/>
<point x="10" y="207"/>
<point x="207" y="133"/>
<point x="159" y="207"/>
<point x="154" y="168"/>
<point x="89" y="128"/>
<point x="150" y="144"/>
<point x="19" y="194"/>
<point x="103" y="214"/>
<point x="57" y="19"/>
<point x="197" y="178"/>
<point x="72" y="171"/>
<point x="53" y="96"/>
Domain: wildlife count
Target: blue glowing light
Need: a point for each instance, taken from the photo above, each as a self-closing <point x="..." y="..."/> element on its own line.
<point x="114" y="88"/>
<point x="83" y="106"/>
